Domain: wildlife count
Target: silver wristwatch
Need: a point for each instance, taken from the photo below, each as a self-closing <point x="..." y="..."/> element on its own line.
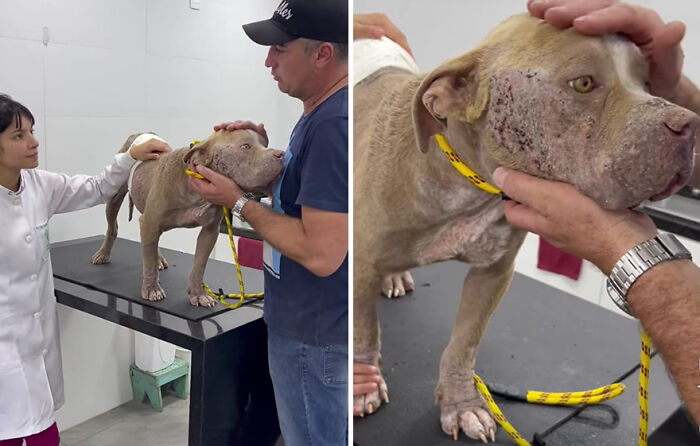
<point x="238" y="207"/>
<point x="637" y="261"/>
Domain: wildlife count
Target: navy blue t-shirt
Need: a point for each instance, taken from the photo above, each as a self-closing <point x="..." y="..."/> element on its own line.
<point x="299" y="304"/>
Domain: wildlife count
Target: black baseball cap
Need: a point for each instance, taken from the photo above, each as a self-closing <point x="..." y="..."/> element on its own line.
<point x="324" y="20"/>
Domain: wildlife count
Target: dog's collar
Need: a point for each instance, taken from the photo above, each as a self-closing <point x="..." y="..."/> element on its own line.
<point x="191" y="172"/>
<point x="462" y="168"/>
<point x="194" y="174"/>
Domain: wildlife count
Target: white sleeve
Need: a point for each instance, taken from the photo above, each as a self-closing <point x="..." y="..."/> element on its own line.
<point x="71" y="193"/>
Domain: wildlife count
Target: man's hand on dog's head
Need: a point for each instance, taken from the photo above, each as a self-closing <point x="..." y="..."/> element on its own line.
<point x="243" y="125"/>
<point x="659" y="41"/>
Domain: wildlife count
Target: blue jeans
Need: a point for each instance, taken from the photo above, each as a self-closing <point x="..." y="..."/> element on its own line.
<point x="311" y="391"/>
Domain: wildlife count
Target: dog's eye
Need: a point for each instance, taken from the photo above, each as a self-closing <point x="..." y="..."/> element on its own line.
<point x="583" y="84"/>
<point x="245" y="146"/>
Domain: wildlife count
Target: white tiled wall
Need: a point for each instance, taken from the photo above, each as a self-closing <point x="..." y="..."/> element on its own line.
<point x="199" y="34"/>
<point x="98" y="23"/>
<point x="112" y="68"/>
<point x="25" y="20"/>
<point x="86" y="81"/>
<point x="25" y="79"/>
<point x="444" y="29"/>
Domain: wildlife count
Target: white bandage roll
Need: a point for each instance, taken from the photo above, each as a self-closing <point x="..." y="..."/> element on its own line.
<point x="372" y="54"/>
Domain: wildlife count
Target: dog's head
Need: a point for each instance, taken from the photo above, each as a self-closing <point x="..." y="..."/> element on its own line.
<point x="240" y="155"/>
<point x="560" y="105"/>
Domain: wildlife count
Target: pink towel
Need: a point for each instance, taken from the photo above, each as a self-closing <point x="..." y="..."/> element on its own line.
<point x="250" y="252"/>
<point x="554" y="260"/>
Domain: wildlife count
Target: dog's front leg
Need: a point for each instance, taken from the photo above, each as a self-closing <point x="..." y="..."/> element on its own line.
<point x="205" y="243"/>
<point x="461" y="404"/>
<point x="366" y="342"/>
<point x="150" y="235"/>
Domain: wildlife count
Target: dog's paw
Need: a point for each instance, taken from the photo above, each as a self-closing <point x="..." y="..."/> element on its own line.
<point x="153" y="293"/>
<point x="369" y="403"/>
<point x="100" y="258"/>
<point x="472" y="417"/>
<point x="203" y="300"/>
<point x="396" y="285"/>
<point x="162" y="263"/>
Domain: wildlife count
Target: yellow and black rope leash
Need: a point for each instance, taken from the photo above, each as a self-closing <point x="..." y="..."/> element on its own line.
<point x="467" y="172"/>
<point x="221" y="296"/>
<point x="561" y="399"/>
<point x="580" y="398"/>
<point x="644" y="389"/>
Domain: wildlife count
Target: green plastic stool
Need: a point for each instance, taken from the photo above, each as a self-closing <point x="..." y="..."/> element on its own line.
<point x="150" y="383"/>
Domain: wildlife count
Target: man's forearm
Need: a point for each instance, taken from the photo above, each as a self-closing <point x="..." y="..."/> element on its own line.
<point x="287" y="235"/>
<point x="666" y="299"/>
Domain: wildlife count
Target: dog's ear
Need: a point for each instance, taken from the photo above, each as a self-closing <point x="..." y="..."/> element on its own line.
<point x="452" y="88"/>
<point x="201" y="152"/>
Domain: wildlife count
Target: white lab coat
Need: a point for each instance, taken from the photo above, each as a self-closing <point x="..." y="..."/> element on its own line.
<point x="31" y="379"/>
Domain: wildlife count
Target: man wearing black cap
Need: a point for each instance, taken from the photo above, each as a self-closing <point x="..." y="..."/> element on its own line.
<point x="306" y="232"/>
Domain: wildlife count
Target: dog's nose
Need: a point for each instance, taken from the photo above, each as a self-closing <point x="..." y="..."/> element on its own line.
<point x="682" y="124"/>
<point x="278" y="154"/>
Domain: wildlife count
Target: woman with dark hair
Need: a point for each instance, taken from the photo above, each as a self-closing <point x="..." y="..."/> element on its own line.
<point x="31" y="381"/>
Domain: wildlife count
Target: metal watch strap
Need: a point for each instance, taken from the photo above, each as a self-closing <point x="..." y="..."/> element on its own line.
<point x="637" y="261"/>
<point x="238" y="207"/>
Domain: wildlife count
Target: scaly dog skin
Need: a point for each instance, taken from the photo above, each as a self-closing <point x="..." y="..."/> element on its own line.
<point x="513" y="101"/>
<point x="160" y="191"/>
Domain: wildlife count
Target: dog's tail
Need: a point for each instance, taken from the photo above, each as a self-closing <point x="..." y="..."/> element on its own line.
<point x="131" y="208"/>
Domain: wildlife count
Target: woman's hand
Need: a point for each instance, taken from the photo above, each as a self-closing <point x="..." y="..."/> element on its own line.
<point x="149" y="150"/>
<point x="377" y="25"/>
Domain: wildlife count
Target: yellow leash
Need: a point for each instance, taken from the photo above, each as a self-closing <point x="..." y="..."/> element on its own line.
<point x="560" y="399"/>
<point x="462" y="168"/>
<point x="644" y="389"/>
<point x="221" y="297"/>
<point x="580" y="398"/>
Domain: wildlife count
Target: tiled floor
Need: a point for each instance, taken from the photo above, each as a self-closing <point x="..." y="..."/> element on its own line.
<point x="135" y="424"/>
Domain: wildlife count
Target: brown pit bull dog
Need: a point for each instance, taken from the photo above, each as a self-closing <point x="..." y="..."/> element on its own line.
<point x="161" y="192"/>
<point x="545" y="101"/>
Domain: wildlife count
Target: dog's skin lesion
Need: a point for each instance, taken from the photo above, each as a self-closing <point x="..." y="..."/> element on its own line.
<point x="515" y="101"/>
<point x="161" y="193"/>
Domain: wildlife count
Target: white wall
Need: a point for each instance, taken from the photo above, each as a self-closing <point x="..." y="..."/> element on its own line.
<point x="440" y="30"/>
<point x="112" y="68"/>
